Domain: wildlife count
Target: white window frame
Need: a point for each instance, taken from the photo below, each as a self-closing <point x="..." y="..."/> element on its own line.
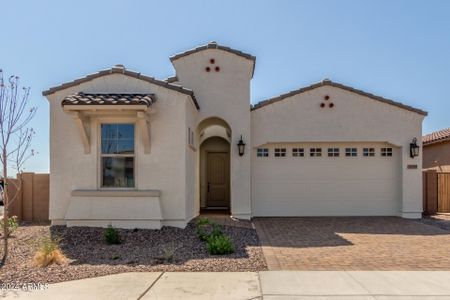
<point x="262" y="152"/>
<point x="333" y="152"/>
<point x="315" y="152"/>
<point x="386" y="152"/>
<point x="369" y="152"/>
<point x="280" y="152"/>
<point x="100" y="155"/>
<point x="298" y="152"/>
<point x="351" y="152"/>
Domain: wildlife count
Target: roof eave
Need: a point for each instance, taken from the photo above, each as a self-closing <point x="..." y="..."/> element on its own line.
<point x="341" y="86"/>
<point x="214" y="45"/>
<point x="121" y="70"/>
<point x="109" y="107"/>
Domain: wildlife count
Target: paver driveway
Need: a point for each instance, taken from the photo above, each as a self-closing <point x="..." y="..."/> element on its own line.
<point x="353" y="243"/>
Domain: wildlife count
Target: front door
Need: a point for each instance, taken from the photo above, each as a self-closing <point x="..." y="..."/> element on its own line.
<point x="218" y="179"/>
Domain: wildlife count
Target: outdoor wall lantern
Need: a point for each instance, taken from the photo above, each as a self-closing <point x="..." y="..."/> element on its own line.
<point x="414" y="148"/>
<point x="241" y="146"/>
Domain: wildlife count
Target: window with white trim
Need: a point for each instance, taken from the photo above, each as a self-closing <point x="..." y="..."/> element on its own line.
<point x="262" y="152"/>
<point x="117" y="155"/>
<point x="386" y="151"/>
<point x="280" y="152"/>
<point x="368" y="152"/>
<point x="351" y="152"/>
<point x="333" y="152"/>
<point x="298" y="152"/>
<point x="315" y="152"/>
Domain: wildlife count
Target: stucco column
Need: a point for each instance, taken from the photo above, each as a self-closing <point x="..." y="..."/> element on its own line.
<point x="240" y="174"/>
<point x="412" y="202"/>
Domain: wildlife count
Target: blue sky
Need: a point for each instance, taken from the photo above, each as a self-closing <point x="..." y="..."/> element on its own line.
<point x="395" y="49"/>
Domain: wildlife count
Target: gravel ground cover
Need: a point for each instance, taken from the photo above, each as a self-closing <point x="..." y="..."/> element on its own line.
<point x="88" y="255"/>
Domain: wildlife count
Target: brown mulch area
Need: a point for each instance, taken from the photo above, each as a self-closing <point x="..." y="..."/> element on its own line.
<point x="88" y="255"/>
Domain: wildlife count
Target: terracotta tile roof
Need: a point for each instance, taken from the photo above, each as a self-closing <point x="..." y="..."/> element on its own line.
<point x="436" y="137"/>
<point x="119" y="69"/>
<point x="327" y="82"/>
<point x="109" y="99"/>
<point x="214" y="45"/>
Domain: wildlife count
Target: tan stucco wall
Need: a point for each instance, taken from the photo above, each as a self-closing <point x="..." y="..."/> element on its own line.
<point x="437" y="156"/>
<point x="226" y="95"/>
<point x="162" y="169"/>
<point x="354" y="118"/>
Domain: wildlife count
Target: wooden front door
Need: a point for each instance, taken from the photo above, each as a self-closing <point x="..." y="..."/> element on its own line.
<point x="218" y="179"/>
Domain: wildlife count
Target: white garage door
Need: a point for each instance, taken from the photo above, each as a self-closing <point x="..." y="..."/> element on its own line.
<point x="342" y="185"/>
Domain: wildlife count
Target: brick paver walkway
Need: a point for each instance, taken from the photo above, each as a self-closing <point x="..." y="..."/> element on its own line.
<point x="360" y="243"/>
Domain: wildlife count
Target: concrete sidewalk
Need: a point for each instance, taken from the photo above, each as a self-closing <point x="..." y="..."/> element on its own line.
<point x="304" y="285"/>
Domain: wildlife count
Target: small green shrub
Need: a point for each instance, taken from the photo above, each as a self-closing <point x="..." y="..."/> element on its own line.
<point x="13" y="224"/>
<point x="112" y="235"/>
<point x="203" y="221"/>
<point x="202" y="233"/>
<point x="216" y="230"/>
<point x="169" y="254"/>
<point x="115" y="257"/>
<point x="219" y="245"/>
<point x="208" y="229"/>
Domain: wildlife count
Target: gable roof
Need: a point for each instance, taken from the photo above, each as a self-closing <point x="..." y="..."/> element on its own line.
<point x="119" y="69"/>
<point x="327" y="82"/>
<point x="214" y="45"/>
<point x="436" y="137"/>
<point x="109" y="99"/>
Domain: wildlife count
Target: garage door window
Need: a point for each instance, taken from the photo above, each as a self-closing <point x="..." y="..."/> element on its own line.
<point x="262" y="152"/>
<point x="315" y="152"/>
<point x="368" y="152"/>
<point x="298" y="152"/>
<point x="333" y="152"/>
<point x="351" y="152"/>
<point x="280" y="152"/>
<point x="386" y="151"/>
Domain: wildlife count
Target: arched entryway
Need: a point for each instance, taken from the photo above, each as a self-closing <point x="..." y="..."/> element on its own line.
<point x="214" y="165"/>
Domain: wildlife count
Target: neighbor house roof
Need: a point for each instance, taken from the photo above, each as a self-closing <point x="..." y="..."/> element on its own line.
<point x="327" y="82"/>
<point x="109" y="99"/>
<point x="119" y="69"/>
<point x="436" y="137"/>
<point x="214" y="45"/>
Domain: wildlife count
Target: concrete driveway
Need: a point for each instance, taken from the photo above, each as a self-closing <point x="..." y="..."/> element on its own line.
<point x="353" y="243"/>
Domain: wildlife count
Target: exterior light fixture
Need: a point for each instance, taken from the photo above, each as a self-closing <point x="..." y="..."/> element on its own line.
<point x="414" y="148"/>
<point x="241" y="147"/>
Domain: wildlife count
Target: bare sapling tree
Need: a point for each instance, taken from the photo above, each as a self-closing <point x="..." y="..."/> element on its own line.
<point x="15" y="141"/>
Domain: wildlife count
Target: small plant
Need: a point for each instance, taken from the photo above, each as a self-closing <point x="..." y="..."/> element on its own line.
<point x="112" y="235"/>
<point x="13" y="224"/>
<point x="216" y="230"/>
<point x="48" y="253"/>
<point x="202" y="233"/>
<point x="169" y="254"/>
<point x="219" y="245"/>
<point x="203" y="221"/>
<point x="115" y="257"/>
<point x="204" y="228"/>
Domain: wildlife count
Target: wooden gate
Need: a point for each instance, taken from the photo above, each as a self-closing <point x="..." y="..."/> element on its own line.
<point x="443" y="192"/>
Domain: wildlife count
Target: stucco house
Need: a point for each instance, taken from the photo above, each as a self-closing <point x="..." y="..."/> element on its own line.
<point x="137" y="152"/>
<point x="436" y="151"/>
